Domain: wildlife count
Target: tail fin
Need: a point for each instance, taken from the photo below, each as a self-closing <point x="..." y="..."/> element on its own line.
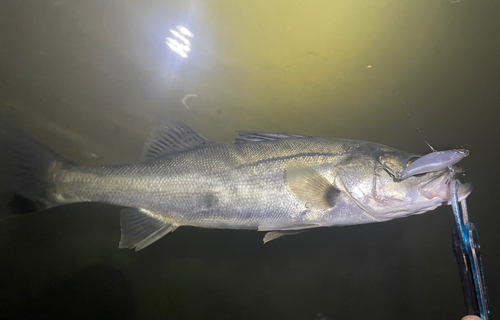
<point x="24" y="164"/>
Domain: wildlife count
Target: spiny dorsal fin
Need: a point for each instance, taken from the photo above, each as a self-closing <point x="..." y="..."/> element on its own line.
<point x="140" y="228"/>
<point x="171" y="136"/>
<point x="310" y="187"/>
<point x="258" y="136"/>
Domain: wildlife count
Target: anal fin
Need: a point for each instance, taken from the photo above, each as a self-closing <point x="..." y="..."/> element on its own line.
<point x="141" y="227"/>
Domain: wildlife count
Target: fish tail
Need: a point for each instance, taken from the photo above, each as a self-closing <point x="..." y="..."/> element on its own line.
<point x="24" y="181"/>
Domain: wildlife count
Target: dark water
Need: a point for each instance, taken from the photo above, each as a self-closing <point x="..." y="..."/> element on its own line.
<point x="89" y="79"/>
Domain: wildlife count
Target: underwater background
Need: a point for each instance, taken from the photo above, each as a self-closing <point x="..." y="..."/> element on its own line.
<point x="90" y="78"/>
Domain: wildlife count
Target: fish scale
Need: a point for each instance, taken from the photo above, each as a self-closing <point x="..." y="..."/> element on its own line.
<point x="247" y="179"/>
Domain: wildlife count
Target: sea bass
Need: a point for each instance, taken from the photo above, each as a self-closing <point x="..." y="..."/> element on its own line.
<point x="275" y="182"/>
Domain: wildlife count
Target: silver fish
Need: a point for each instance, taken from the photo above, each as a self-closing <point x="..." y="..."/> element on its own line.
<point x="275" y="182"/>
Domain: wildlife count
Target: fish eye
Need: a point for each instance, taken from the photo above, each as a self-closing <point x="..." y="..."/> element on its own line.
<point x="412" y="159"/>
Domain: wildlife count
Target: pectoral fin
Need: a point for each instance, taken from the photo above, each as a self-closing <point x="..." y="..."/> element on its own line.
<point x="140" y="228"/>
<point x="310" y="187"/>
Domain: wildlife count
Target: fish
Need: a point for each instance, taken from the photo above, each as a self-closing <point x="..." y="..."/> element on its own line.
<point x="279" y="183"/>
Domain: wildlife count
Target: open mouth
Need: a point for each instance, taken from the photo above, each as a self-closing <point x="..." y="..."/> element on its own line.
<point x="439" y="186"/>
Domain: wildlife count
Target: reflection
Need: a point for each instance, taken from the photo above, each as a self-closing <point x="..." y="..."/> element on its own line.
<point x="180" y="36"/>
<point x="183" y="46"/>
<point x="187" y="96"/>
<point x="185" y="31"/>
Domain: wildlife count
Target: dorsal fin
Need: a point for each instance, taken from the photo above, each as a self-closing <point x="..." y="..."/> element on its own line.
<point x="257" y="136"/>
<point x="171" y="136"/>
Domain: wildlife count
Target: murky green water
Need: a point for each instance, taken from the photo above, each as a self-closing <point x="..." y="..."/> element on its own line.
<point x="89" y="79"/>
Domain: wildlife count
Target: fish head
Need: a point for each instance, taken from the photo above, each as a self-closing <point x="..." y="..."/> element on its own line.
<point x="380" y="194"/>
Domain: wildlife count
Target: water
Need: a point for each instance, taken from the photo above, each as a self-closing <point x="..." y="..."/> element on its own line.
<point x="89" y="79"/>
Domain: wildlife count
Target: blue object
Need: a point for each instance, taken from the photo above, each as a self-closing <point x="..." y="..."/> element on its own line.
<point x="466" y="247"/>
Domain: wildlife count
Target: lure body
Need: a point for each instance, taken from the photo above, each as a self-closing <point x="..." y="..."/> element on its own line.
<point x="433" y="162"/>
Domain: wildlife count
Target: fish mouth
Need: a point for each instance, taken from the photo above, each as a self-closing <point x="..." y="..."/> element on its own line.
<point x="438" y="187"/>
<point x="464" y="189"/>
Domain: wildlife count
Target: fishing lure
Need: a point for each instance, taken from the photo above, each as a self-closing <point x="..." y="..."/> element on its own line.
<point x="432" y="162"/>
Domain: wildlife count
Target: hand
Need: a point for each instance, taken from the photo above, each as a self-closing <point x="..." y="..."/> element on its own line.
<point x="471" y="318"/>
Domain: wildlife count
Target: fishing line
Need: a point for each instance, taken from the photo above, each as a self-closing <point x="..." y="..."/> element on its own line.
<point x="416" y="125"/>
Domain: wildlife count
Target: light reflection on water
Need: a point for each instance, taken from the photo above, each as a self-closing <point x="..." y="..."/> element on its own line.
<point x="183" y="46"/>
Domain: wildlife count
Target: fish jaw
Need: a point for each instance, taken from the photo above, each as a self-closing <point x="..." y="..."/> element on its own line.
<point x="439" y="187"/>
<point x="464" y="189"/>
